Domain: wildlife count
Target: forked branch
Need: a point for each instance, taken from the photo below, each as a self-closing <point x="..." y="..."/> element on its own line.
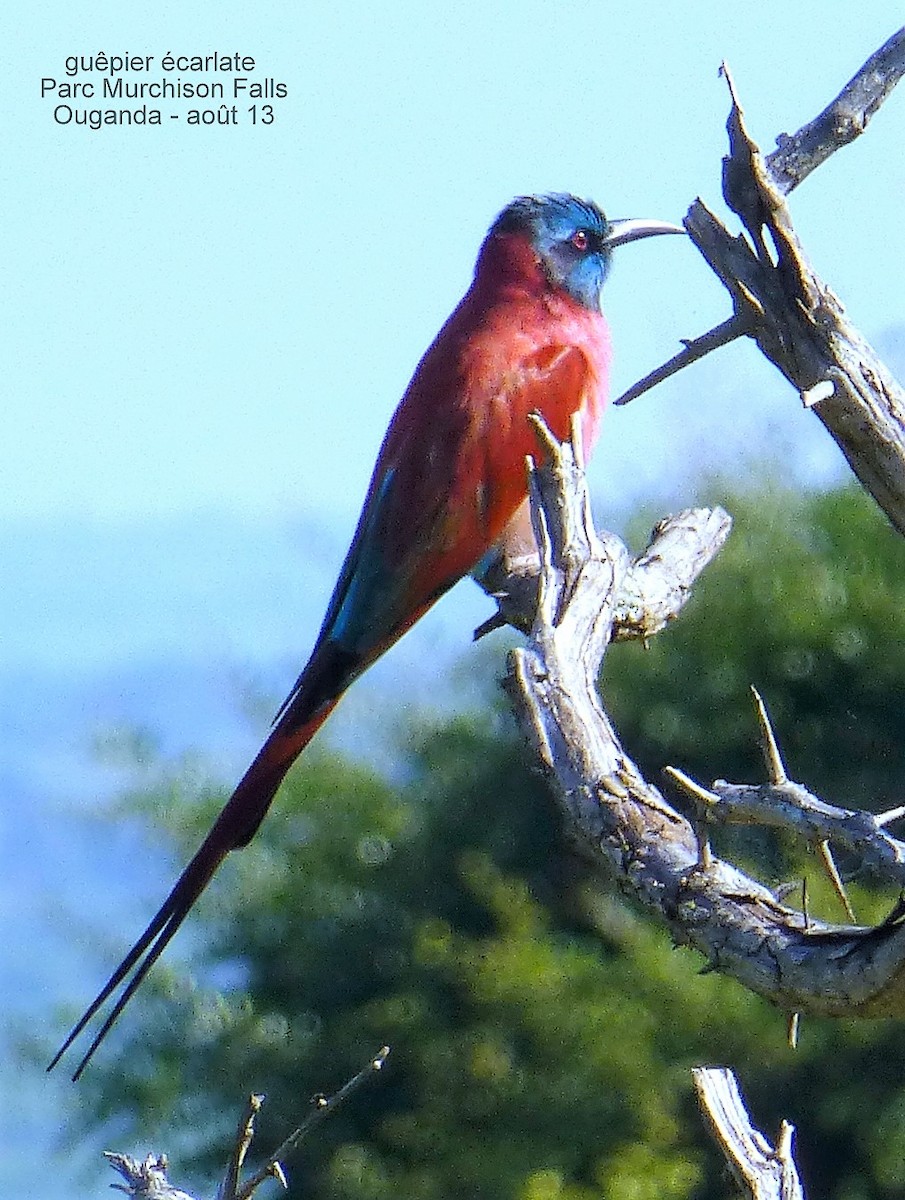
<point x="621" y="823"/>
<point x="147" y="1180"/>
<point x="779" y="300"/>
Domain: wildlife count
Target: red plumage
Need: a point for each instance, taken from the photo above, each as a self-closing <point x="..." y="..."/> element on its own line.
<point x="527" y="337"/>
<point x="460" y="435"/>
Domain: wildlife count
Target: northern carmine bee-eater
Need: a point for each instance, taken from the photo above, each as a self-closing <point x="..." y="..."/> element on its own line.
<point x="528" y="336"/>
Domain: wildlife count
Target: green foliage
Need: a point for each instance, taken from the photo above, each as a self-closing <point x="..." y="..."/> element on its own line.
<point x="542" y="1033"/>
<point x="807" y="603"/>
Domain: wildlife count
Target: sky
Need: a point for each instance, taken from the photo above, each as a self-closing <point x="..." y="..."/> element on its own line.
<point x="207" y="328"/>
<point x="224" y="317"/>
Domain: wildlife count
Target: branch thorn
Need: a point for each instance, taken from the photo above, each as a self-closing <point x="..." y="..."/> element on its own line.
<point x="826" y="854"/>
<point x="776" y="770"/>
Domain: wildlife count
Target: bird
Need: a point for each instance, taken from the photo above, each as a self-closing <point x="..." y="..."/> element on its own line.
<point x="449" y="487"/>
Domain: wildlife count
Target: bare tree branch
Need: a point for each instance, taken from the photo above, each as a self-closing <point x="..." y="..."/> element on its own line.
<point x="622" y="824"/>
<point x="763" y="1173"/>
<point x="244" y="1137"/>
<point x="653" y="588"/>
<point x="693" y="349"/>
<point x="792" y="807"/>
<point x="801" y="326"/>
<point x="777" y="298"/>
<point x="845" y="119"/>
<point x="324" y="1105"/>
<point x="147" y="1180"/>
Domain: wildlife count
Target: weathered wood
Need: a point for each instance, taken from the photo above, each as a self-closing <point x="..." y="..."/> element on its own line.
<point x="620" y="822"/>
<point x="799" y="324"/>
<point x="763" y="1172"/>
<point x="147" y="1180"/>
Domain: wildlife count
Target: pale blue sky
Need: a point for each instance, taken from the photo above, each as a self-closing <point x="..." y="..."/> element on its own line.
<point x="225" y="318"/>
<point x="205" y="332"/>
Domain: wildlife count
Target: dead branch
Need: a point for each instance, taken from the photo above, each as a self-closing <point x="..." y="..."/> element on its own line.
<point x="778" y="299"/>
<point x="801" y="326"/>
<point x="147" y="1180"/>
<point x="843" y="120"/>
<point x="652" y="589"/>
<point x="790" y="806"/>
<point x="764" y="1173"/>
<point x="621" y="823"/>
<point x="692" y="349"/>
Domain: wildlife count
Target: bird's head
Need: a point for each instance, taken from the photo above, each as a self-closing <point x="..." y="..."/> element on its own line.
<point x="571" y="240"/>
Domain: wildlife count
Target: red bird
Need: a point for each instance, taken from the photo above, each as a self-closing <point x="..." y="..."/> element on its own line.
<point x="450" y="479"/>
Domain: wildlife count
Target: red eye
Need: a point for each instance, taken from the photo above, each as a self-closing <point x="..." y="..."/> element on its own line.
<point x="580" y="239"/>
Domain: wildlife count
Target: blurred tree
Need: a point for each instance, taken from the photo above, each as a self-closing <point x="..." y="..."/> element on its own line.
<point x="542" y="1032"/>
<point x="805" y="602"/>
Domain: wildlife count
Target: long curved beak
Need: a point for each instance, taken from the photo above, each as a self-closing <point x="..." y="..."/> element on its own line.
<point x="633" y="228"/>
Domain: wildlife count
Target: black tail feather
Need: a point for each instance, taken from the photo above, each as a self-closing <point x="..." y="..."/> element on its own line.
<point x="234" y="827"/>
<point x="308" y="706"/>
<point x="145" y="952"/>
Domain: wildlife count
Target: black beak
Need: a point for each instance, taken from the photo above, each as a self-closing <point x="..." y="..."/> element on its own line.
<point x="633" y="228"/>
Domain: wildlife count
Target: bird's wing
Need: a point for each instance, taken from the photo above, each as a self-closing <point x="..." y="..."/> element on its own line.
<point x="451" y="475"/>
